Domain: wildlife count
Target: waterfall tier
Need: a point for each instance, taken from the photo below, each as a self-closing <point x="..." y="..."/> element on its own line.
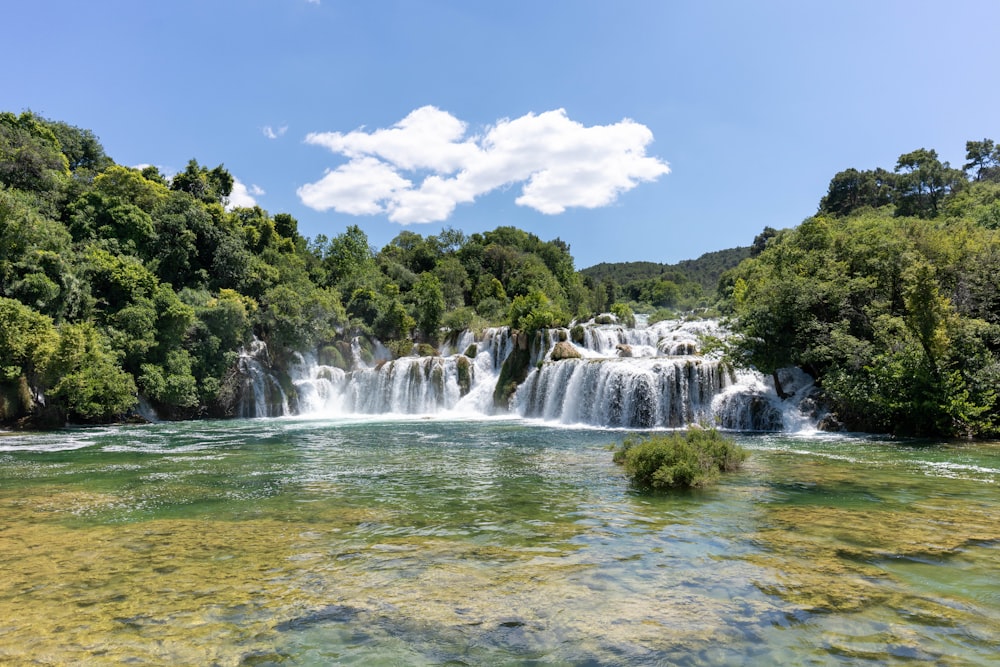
<point x="613" y="376"/>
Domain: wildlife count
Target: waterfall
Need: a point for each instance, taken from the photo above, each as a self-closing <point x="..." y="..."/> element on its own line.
<point x="631" y="392"/>
<point x="320" y="388"/>
<point x="262" y="394"/>
<point x="645" y="377"/>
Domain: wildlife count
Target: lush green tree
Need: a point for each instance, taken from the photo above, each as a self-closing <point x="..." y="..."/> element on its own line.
<point x="533" y="311"/>
<point x="890" y="314"/>
<point x="31" y="158"/>
<point x="86" y="380"/>
<point x="429" y="305"/>
<point x="393" y="322"/>
<point x="171" y="384"/>
<point x="984" y="157"/>
<point x="416" y="253"/>
<point x="27" y="341"/>
<point x="298" y="317"/>
<point x="923" y="182"/>
<point x="454" y="281"/>
<point x="624" y="314"/>
<point x="349" y="260"/>
<point x="490" y="298"/>
<point x="83" y="150"/>
<point x="208" y="185"/>
<point x="852" y="189"/>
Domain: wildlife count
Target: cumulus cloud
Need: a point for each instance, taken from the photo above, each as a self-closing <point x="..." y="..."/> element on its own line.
<point x="272" y="133"/>
<point x="243" y="196"/>
<point x="559" y="162"/>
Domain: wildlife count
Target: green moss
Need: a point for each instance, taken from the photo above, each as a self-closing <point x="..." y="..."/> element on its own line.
<point x="400" y="348"/>
<point x="464" y="367"/>
<point x="513" y="372"/>
<point x="330" y="355"/>
<point x="471" y="351"/>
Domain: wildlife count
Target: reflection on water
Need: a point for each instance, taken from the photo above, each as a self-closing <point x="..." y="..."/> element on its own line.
<point x="485" y="542"/>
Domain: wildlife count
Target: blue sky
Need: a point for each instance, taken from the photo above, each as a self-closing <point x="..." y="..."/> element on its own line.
<point x="633" y="130"/>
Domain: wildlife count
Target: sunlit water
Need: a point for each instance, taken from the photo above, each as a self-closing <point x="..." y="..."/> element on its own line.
<point x="300" y="542"/>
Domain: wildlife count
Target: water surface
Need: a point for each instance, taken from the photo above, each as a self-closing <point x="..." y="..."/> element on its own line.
<point x="300" y="542"/>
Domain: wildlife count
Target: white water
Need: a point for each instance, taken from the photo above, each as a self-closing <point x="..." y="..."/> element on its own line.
<point x="646" y="377"/>
<point x="262" y="393"/>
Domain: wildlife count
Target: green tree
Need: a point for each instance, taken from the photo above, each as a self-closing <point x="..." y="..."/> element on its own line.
<point x="922" y="183"/>
<point x="534" y="311"/>
<point x="86" y="380"/>
<point x="27" y="342"/>
<point x="429" y="305"/>
<point x="81" y="147"/>
<point x="208" y="185"/>
<point x="454" y="281"/>
<point x="30" y="155"/>
<point x="852" y="189"/>
<point x="984" y="157"/>
<point x="349" y="260"/>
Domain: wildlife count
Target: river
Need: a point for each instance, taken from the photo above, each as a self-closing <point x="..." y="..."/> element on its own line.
<point x="369" y="541"/>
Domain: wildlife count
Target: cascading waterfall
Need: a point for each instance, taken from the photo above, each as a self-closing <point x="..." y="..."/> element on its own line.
<point x="631" y="392"/>
<point x="646" y="377"/>
<point x="319" y="387"/>
<point x="261" y="395"/>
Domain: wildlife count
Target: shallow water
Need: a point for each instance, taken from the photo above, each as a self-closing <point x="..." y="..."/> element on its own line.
<point x="300" y="542"/>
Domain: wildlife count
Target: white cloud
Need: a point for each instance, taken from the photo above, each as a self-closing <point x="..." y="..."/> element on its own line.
<point x="272" y="133"/>
<point x="561" y="163"/>
<point x="243" y="196"/>
<point x="358" y="188"/>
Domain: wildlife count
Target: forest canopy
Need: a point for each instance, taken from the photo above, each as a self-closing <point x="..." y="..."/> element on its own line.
<point x="889" y="296"/>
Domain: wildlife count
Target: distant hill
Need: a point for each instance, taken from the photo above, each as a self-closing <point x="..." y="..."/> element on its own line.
<point x="705" y="270"/>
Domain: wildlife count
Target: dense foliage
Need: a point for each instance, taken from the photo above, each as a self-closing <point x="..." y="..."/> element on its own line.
<point x="691" y="459"/>
<point x="889" y="296"/>
<point x="649" y="287"/>
<point x="119" y="283"/>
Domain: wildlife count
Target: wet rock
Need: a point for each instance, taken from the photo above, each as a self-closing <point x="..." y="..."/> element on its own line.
<point x="564" y="350"/>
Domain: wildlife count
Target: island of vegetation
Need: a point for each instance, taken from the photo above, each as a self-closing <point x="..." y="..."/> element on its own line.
<point x="679" y="460"/>
<point x="121" y="285"/>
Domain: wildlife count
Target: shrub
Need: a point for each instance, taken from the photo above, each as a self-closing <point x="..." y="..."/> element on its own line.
<point x="459" y="319"/>
<point x="679" y="460"/>
<point x="623" y="312"/>
<point x="660" y="315"/>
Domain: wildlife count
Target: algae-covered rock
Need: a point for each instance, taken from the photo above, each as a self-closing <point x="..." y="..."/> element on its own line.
<point x="332" y="355"/>
<point x="513" y="372"/>
<point x="464" y="367"/>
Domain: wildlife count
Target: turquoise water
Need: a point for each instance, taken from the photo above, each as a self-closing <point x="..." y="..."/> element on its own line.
<point x="299" y="542"/>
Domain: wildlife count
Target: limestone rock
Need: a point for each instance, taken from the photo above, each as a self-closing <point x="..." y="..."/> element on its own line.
<point x="564" y="350"/>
